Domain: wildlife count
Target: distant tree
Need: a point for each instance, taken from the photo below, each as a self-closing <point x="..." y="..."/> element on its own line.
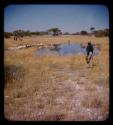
<point x="77" y="33"/>
<point x="18" y="34"/>
<point x="54" y="31"/>
<point x="92" y="30"/>
<point x="106" y="31"/>
<point x="83" y="32"/>
<point x="102" y="33"/>
<point x="7" y="34"/>
<point x="66" y="33"/>
<point x="43" y="33"/>
<point x="27" y="33"/>
<point x="35" y="33"/>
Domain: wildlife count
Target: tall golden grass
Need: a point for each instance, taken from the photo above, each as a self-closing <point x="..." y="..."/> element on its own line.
<point x="55" y="87"/>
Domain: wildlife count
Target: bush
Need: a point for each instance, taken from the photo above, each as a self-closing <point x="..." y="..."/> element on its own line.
<point x="66" y="33"/>
<point x="101" y="33"/>
<point x="7" y="35"/>
<point x="77" y="33"/>
<point x="84" y="33"/>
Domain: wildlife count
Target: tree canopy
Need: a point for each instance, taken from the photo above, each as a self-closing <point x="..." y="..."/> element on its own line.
<point x="54" y="31"/>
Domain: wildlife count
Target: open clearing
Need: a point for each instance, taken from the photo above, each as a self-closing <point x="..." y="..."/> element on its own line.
<point x="56" y="88"/>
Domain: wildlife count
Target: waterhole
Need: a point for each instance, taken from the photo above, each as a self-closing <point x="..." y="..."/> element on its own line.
<point x="65" y="49"/>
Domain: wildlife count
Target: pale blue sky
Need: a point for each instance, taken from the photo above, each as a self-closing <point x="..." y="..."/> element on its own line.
<point x="69" y="18"/>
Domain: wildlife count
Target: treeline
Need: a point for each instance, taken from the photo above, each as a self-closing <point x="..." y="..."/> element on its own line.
<point x="57" y="31"/>
<point x="101" y="33"/>
<point x="23" y="33"/>
<point x="97" y="33"/>
<point x="7" y="34"/>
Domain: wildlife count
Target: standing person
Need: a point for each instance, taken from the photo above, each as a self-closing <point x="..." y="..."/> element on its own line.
<point x="89" y="50"/>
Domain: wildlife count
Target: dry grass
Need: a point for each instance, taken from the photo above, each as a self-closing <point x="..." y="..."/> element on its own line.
<point x="93" y="101"/>
<point x="53" y="87"/>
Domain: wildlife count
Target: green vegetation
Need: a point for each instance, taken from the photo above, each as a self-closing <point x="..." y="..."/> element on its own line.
<point x="7" y="34"/>
<point x="54" y="31"/>
<point x="101" y="33"/>
<point x="83" y="33"/>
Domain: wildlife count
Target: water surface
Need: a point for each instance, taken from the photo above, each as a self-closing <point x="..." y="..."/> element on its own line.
<point x="65" y="49"/>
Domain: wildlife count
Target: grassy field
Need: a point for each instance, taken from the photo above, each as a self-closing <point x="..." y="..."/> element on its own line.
<point x="55" y="88"/>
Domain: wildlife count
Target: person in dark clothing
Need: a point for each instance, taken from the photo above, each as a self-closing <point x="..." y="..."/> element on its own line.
<point x="89" y="50"/>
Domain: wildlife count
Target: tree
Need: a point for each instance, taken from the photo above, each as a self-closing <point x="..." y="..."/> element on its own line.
<point x="84" y="32"/>
<point x="35" y="33"/>
<point x="77" y="33"/>
<point x="102" y="33"/>
<point x="92" y="30"/>
<point x="18" y="32"/>
<point x="106" y="32"/>
<point x="66" y="33"/>
<point x="43" y="33"/>
<point x="54" y="31"/>
<point x="7" y="34"/>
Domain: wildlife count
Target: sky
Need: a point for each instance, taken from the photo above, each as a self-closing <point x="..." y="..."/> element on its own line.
<point x="68" y="18"/>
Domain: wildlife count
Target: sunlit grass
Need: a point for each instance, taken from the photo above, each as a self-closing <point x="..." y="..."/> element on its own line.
<point x="40" y="88"/>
